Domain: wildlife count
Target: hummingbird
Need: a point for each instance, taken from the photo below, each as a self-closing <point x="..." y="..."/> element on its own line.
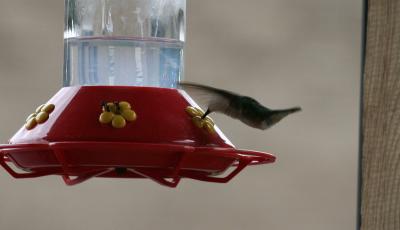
<point x="243" y="108"/>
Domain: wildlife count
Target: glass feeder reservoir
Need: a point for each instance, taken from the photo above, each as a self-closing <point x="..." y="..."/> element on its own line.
<point x="119" y="114"/>
<point x="124" y="42"/>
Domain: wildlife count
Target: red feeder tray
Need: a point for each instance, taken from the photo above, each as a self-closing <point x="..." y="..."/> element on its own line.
<point x="162" y="144"/>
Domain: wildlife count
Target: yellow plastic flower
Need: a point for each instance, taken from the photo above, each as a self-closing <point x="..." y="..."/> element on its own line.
<point x="196" y="114"/>
<point x="117" y="113"/>
<point x="40" y="116"/>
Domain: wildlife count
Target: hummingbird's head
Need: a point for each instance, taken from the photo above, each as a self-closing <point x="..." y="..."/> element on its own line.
<point x="276" y="115"/>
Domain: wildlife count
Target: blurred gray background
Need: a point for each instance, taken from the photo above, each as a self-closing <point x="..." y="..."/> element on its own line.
<point x="281" y="52"/>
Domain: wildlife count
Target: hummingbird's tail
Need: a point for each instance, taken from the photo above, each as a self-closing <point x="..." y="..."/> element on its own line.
<point x="277" y="115"/>
<point x="288" y="111"/>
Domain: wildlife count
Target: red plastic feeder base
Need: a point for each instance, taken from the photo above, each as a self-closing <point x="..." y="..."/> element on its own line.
<point x="162" y="144"/>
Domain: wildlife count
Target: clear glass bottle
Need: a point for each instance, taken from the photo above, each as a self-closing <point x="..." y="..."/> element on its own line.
<point x="124" y="42"/>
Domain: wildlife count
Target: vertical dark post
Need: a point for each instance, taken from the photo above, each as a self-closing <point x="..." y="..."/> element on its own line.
<point x="380" y="130"/>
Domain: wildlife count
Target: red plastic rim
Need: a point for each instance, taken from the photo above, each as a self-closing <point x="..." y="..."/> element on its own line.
<point x="164" y="163"/>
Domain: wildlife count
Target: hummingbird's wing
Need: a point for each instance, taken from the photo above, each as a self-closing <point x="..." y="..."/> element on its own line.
<point x="244" y="108"/>
<point x="216" y="100"/>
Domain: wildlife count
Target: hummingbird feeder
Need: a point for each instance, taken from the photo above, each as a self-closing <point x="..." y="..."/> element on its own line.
<point x="120" y="114"/>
